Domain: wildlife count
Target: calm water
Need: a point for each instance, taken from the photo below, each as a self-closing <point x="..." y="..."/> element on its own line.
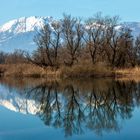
<point x="100" y="109"/>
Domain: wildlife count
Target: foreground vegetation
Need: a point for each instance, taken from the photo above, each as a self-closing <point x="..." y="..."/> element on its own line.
<point x="70" y="47"/>
<point x="96" y="71"/>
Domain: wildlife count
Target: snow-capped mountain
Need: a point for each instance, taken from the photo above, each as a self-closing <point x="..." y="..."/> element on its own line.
<point x="19" y="33"/>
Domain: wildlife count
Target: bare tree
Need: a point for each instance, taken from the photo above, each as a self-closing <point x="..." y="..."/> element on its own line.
<point x="3" y="57"/>
<point x="48" y="42"/>
<point x="125" y="50"/>
<point x="137" y="48"/>
<point x="111" y="38"/>
<point x="100" y="39"/>
<point x="72" y="37"/>
<point x="15" y="57"/>
<point x="94" y="35"/>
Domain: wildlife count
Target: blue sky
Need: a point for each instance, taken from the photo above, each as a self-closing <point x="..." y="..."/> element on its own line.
<point x="128" y="10"/>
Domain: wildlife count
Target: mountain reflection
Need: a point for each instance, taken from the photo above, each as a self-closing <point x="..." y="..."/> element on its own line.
<point x="76" y="105"/>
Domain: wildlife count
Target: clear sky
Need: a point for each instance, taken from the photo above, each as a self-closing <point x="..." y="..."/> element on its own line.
<point x="128" y="10"/>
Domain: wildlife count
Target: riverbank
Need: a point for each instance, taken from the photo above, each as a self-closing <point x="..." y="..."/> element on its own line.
<point x="77" y="71"/>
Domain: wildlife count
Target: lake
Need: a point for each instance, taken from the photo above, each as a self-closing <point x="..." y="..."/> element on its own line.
<point x="72" y="109"/>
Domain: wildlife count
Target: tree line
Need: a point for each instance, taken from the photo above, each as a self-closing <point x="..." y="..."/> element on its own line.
<point x="71" y="41"/>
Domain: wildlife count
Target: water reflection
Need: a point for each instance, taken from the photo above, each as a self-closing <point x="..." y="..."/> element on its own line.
<point x="73" y="105"/>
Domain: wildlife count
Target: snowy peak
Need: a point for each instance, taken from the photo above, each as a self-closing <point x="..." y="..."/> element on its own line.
<point x="25" y="24"/>
<point x="19" y="33"/>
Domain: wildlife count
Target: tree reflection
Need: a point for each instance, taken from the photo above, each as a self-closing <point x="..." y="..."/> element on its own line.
<point x="75" y="107"/>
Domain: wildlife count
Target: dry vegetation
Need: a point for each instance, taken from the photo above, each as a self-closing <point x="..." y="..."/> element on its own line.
<point x="30" y="70"/>
<point x="128" y="73"/>
<point x="26" y="70"/>
<point x="76" y="71"/>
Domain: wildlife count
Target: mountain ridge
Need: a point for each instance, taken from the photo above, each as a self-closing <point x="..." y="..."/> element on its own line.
<point x="19" y="33"/>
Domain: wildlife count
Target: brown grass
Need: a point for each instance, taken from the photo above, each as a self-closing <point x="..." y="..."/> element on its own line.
<point x="19" y="70"/>
<point x="27" y="70"/>
<point x="129" y="72"/>
<point x="76" y="71"/>
<point x="86" y="71"/>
